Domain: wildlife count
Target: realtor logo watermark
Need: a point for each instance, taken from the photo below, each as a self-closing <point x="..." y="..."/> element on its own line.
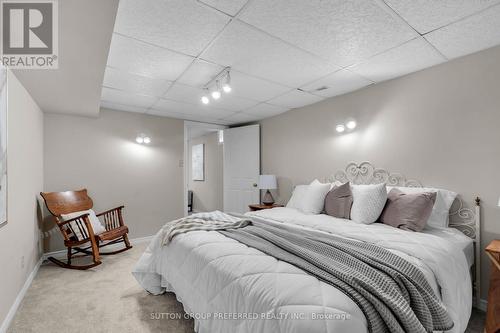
<point x="29" y="33"/>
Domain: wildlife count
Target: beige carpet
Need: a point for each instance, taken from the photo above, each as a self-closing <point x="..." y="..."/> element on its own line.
<point x="107" y="299"/>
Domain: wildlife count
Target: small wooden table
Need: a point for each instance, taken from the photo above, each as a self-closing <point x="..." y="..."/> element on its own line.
<point x="493" y="313"/>
<point x="255" y="207"/>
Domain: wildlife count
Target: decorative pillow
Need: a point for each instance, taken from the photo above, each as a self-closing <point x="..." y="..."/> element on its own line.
<point x="314" y="199"/>
<point x="368" y="202"/>
<point x="441" y="210"/>
<point x="332" y="185"/>
<point x="297" y="198"/>
<point x="94" y="221"/>
<point x="338" y="201"/>
<point x="408" y="211"/>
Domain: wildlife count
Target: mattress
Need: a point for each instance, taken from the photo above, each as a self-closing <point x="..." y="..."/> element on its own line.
<point x="227" y="286"/>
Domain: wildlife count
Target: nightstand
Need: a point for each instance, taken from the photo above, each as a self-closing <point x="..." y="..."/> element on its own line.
<point x="493" y="313"/>
<point x="255" y="207"/>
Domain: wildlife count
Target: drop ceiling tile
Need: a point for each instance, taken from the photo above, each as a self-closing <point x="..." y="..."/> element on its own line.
<point x="241" y="117"/>
<point x="407" y="58"/>
<point x="230" y="7"/>
<point x="427" y="15"/>
<point x="122" y="107"/>
<point x="470" y="35"/>
<point x="126" y="98"/>
<point x="184" y="116"/>
<point x="251" y="51"/>
<point x="122" y="80"/>
<point x="295" y="99"/>
<point x="192" y="109"/>
<point x="185" y="26"/>
<point x="200" y="73"/>
<point x="265" y="110"/>
<point x="144" y="59"/>
<point x="344" y="32"/>
<point x="233" y="103"/>
<point x="254" y="88"/>
<point x="338" y="83"/>
<point x="183" y="93"/>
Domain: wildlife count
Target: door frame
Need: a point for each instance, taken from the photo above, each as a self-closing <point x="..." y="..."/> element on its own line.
<point x="188" y="125"/>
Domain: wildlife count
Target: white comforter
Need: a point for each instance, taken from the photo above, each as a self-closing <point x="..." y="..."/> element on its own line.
<point x="229" y="287"/>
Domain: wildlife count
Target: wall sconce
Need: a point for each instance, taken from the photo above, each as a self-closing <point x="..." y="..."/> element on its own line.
<point x="349" y="125"/>
<point x="143" y="139"/>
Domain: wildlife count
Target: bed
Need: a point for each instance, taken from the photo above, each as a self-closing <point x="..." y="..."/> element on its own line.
<point x="227" y="286"/>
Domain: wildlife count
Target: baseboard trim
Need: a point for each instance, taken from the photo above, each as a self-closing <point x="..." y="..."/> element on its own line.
<point x="57" y="254"/>
<point x="13" y="309"/>
<point x="62" y="253"/>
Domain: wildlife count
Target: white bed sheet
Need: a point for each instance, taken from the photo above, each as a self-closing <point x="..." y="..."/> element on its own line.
<point x="214" y="276"/>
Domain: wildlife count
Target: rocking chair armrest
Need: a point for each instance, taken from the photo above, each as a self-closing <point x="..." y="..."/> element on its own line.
<point x="87" y="234"/>
<point x="110" y="210"/>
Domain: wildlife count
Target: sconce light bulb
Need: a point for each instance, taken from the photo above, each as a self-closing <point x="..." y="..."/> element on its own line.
<point x="340" y="128"/>
<point x="351" y="124"/>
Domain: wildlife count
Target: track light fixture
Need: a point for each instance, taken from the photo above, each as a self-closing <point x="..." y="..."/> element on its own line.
<point x="204" y="98"/>
<point x="221" y="82"/>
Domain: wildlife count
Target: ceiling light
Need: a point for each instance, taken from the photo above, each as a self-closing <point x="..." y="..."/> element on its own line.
<point x="205" y="100"/>
<point x="215" y="94"/>
<point x="351" y="124"/>
<point x="340" y="128"/>
<point x="226" y="87"/>
<point x="139" y="139"/>
<point x="147" y="140"/>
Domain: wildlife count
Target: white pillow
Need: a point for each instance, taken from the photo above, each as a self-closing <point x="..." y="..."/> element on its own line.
<point x="335" y="183"/>
<point x="368" y="202"/>
<point x="94" y="221"/>
<point x="314" y="199"/>
<point x="441" y="211"/>
<point x="297" y="198"/>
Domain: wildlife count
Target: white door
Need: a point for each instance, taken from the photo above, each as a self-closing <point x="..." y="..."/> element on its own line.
<point x="241" y="167"/>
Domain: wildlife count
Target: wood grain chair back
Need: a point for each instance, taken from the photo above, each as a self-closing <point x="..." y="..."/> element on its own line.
<point x="67" y="202"/>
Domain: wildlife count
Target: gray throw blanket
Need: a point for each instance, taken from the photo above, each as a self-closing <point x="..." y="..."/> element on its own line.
<point x="202" y="221"/>
<point x="392" y="293"/>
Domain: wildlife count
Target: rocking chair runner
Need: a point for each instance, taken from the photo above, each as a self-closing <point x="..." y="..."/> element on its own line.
<point x="59" y="203"/>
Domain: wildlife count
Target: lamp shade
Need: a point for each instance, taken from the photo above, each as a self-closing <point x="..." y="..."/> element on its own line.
<point x="268" y="182"/>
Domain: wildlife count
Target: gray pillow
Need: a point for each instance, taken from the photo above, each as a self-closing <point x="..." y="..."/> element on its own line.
<point x="408" y="211"/>
<point x="338" y="201"/>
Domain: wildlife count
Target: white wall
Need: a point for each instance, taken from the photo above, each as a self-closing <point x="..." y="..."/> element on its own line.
<point x="208" y="194"/>
<point x="19" y="238"/>
<point x="439" y="126"/>
<point x="101" y="154"/>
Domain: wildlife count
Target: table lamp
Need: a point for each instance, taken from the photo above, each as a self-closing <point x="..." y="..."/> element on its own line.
<point x="268" y="182"/>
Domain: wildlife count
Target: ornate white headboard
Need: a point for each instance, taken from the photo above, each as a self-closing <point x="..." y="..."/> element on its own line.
<point x="463" y="218"/>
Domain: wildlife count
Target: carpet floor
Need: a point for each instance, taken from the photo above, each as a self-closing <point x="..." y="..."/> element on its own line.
<point x="108" y="299"/>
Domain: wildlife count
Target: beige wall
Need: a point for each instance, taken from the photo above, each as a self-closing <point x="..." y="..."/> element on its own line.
<point x="101" y="155"/>
<point x="208" y="194"/>
<point x="440" y="126"/>
<point x="19" y="238"/>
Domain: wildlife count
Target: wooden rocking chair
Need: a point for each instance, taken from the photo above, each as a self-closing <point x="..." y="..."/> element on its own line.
<point x="74" y="201"/>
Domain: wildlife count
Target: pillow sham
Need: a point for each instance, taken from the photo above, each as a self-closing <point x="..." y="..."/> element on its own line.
<point x="441" y="210"/>
<point x="94" y="221"/>
<point x="297" y="198"/>
<point x="408" y="211"/>
<point x="338" y="201"/>
<point x="368" y="202"/>
<point x="314" y="198"/>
